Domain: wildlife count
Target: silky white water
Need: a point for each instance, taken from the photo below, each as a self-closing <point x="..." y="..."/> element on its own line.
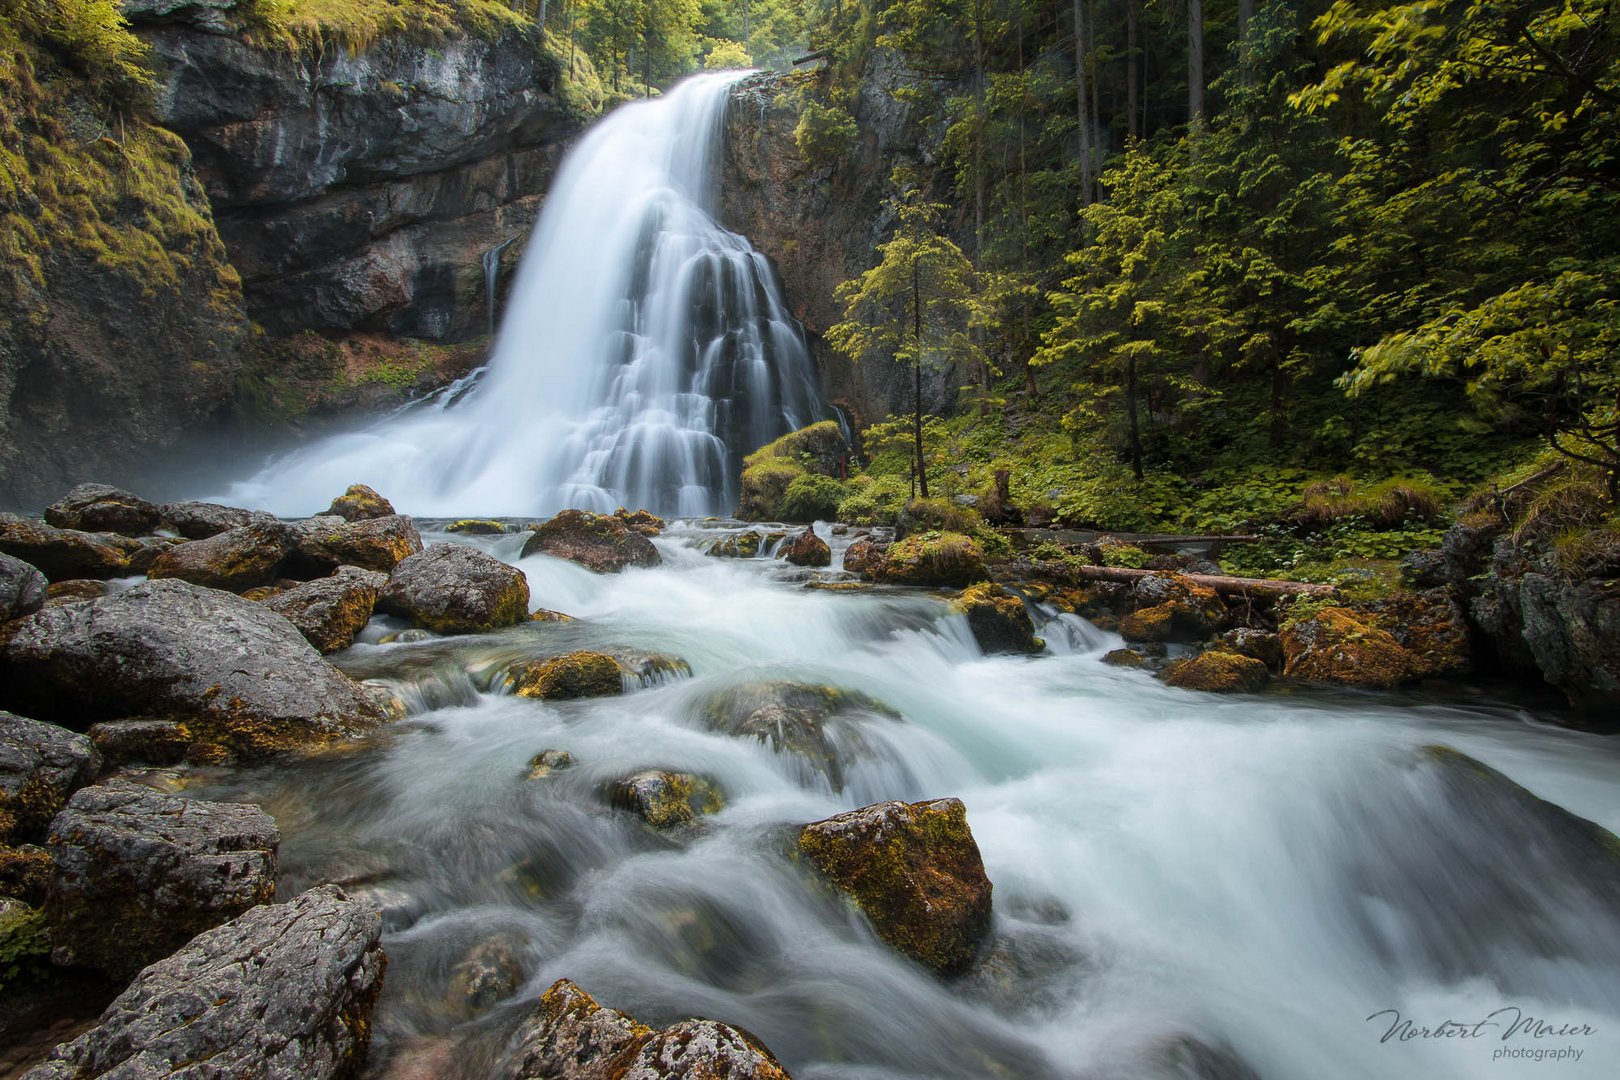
<point x="1257" y="873"/>
<point x="643" y="350"/>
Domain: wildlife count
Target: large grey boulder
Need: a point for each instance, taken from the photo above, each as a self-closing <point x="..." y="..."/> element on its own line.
<point x="569" y="1036"/>
<point x="138" y="873"/>
<point x="200" y="520"/>
<point x="41" y="765"/>
<point x="103" y="508"/>
<point x="599" y="542"/>
<point x="241" y="678"/>
<point x="330" y="611"/>
<point x="326" y="542"/>
<point x="22" y="589"/>
<point x="455" y="589"/>
<point x="61" y="554"/>
<point x="234" y="560"/>
<point x="282" y="992"/>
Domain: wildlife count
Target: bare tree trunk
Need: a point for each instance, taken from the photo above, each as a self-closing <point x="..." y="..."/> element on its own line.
<point x="1132" y="10"/>
<point x="1096" y="83"/>
<point x="978" y="132"/>
<point x="1195" y="61"/>
<point x="916" y="338"/>
<point x="540" y="16"/>
<point x="1084" y="106"/>
<point x="1130" y="406"/>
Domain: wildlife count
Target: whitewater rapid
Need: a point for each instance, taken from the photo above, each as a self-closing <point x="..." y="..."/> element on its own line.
<point x="643" y="350"/>
<point x="1260" y="874"/>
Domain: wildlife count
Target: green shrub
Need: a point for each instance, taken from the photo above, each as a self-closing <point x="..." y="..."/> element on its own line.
<point x="1388" y="504"/>
<point x="1116" y="552"/>
<point x="825" y="132"/>
<point x="940" y="515"/>
<point x="810" y="497"/>
<point x="874" y="500"/>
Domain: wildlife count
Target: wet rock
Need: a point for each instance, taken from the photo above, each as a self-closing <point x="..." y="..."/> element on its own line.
<point x="547" y="615"/>
<point x="1023" y="970"/>
<point x="360" y="503"/>
<point x="1124" y="658"/>
<point x="1149" y="624"/>
<point x="490" y="972"/>
<point x="915" y="871"/>
<point x="1184" y="1057"/>
<point x="822" y="726"/>
<point x="1333" y="645"/>
<point x="1218" y="672"/>
<point x="455" y="589"/>
<point x="71" y="592"/>
<point x="25" y="944"/>
<point x="807" y="549"/>
<point x="61" y="554"/>
<point x="664" y="799"/>
<point x="741" y="546"/>
<point x="240" y="677"/>
<point x="101" y="508"/>
<point x="22" y="589"/>
<point x="25" y="872"/>
<point x="547" y="762"/>
<point x="933" y="558"/>
<point x="329" y="612"/>
<point x="644" y="522"/>
<point x="138" y="873"/>
<point x="864" y="557"/>
<point x="999" y="621"/>
<point x="597" y="542"/>
<point x="200" y="520"/>
<point x="1172" y="607"/>
<point x="143" y="742"/>
<point x="475" y="527"/>
<point x="569" y="1036"/>
<point x="281" y="991"/>
<point x="327" y="542"/>
<point x="1423" y="569"/>
<point x="1429" y="625"/>
<point x="574" y="675"/>
<point x="41" y="765"/>
<point x="1263" y="645"/>
<point x="233" y="560"/>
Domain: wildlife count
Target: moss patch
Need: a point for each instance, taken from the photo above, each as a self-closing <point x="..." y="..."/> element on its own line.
<point x="575" y="675"/>
<point x="934" y="558"/>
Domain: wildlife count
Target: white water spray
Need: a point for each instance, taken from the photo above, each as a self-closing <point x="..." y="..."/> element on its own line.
<point x="643" y="351"/>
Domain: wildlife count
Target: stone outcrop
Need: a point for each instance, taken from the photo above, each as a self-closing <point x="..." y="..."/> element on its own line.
<point x="327" y="542"/>
<point x="933" y="558"/>
<point x="330" y="611"/>
<point x="282" y="991"/>
<point x="915" y="871"/>
<point x="598" y="542"/>
<point x="574" y="675"/>
<point x="23" y="589"/>
<point x="101" y="508"/>
<point x="234" y="560"/>
<point x="360" y="503"/>
<point x="455" y="589"/>
<point x="41" y="765"/>
<point x="138" y="873"/>
<point x="663" y="799"/>
<point x="200" y="520"/>
<point x="63" y="554"/>
<point x="240" y="677"/>
<point x="997" y="619"/>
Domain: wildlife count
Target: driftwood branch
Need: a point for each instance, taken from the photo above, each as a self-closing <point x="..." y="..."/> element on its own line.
<point x="1229" y="586"/>
<point x="819" y="54"/>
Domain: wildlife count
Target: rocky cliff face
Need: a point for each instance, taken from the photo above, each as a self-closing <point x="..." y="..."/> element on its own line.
<point x="359" y="191"/>
<point x="821" y="224"/>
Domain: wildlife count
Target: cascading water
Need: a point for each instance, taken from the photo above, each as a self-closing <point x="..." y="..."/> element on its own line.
<point x="643" y="351"/>
<point x="492" y="273"/>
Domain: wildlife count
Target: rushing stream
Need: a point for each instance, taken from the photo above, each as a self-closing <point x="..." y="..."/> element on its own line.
<point x="1258" y="873"/>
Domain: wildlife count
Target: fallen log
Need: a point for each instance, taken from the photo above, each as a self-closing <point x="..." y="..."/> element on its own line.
<point x="1229" y="586"/>
<point x="819" y="54"/>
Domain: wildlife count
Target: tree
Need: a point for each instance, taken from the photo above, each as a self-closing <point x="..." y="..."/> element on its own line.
<point x="920" y="305"/>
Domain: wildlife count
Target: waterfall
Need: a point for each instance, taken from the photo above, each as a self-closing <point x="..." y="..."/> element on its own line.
<point x="643" y="351"/>
<point x="492" y="272"/>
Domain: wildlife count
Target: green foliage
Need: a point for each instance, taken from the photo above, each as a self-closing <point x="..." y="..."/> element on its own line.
<point x="25" y="944"/>
<point x="1387" y="504"/>
<point x="874" y="500"/>
<point x="357" y="25"/>
<point x="724" y="53"/>
<point x="1117" y="553"/>
<point x="825" y="133"/>
<point x="810" y="497"/>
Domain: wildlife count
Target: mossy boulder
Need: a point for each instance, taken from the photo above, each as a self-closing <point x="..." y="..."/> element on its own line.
<point x="574" y="675"/>
<point x="61" y="554"/>
<point x="23" y="589"/>
<point x="41" y="765"/>
<point x="143" y="741"/>
<point x="999" y="621"/>
<point x="642" y="521"/>
<point x="806" y="549"/>
<point x="1155" y="623"/>
<point x="101" y="508"/>
<point x="569" y="1035"/>
<point x="743" y="545"/>
<point x="329" y="612"/>
<point x="1127" y="658"/>
<point x="864" y="557"/>
<point x="821" y="727"/>
<point x="234" y="560"/>
<point x="327" y="542"/>
<point x="1335" y="645"/>
<point x="25" y="944"/>
<point x="1430" y="625"/>
<point x="455" y="589"/>
<point x="934" y="558"/>
<point x="1195" y="612"/>
<point x="360" y="503"/>
<point x="240" y="677"/>
<point x="475" y="527"/>
<point x="138" y="873"/>
<point x="1263" y="645"/>
<point x="547" y="762"/>
<point x="200" y="520"/>
<point x="769" y="473"/>
<point x="25" y="872"/>
<point x="915" y="871"/>
<point x="664" y="799"/>
<point x="598" y="542"/>
<point x="1218" y="672"/>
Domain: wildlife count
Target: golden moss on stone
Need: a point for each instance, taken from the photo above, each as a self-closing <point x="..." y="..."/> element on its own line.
<point x="1334" y="645"/>
<point x="934" y="558"/>
<point x="581" y="674"/>
<point x="1217" y="672"/>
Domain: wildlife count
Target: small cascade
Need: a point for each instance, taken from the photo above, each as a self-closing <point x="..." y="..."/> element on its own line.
<point x="643" y="351"/>
<point x="492" y="273"/>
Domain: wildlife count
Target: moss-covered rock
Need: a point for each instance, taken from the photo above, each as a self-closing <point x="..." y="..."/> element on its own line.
<point x="999" y="620"/>
<point x="327" y="542"/>
<point x="1218" y="672"/>
<point x="1263" y="645"/>
<point x="25" y="872"/>
<point x="1334" y="645"/>
<point x="864" y="557"/>
<point x="598" y="542"/>
<point x="455" y="589"/>
<point x="934" y="558"/>
<point x="547" y="762"/>
<point x="25" y="944"/>
<point x="329" y="612"/>
<point x="61" y="554"/>
<point x="806" y="549"/>
<point x="234" y="560"/>
<point x="1128" y="658"/>
<point x="1155" y="623"/>
<point x="475" y="527"/>
<point x="145" y="741"/>
<point x="743" y="545"/>
<point x="642" y="521"/>
<point x="360" y="503"/>
<point x="580" y="674"/>
<point x="101" y="508"/>
<point x="664" y="799"/>
<point x="200" y="520"/>
<point x="770" y="471"/>
<point x="1430" y="625"/>
<point x="71" y="592"/>
<point x="41" y="766"/>
<point x="915" y="871"/>
<point x="1196" y="612"/>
